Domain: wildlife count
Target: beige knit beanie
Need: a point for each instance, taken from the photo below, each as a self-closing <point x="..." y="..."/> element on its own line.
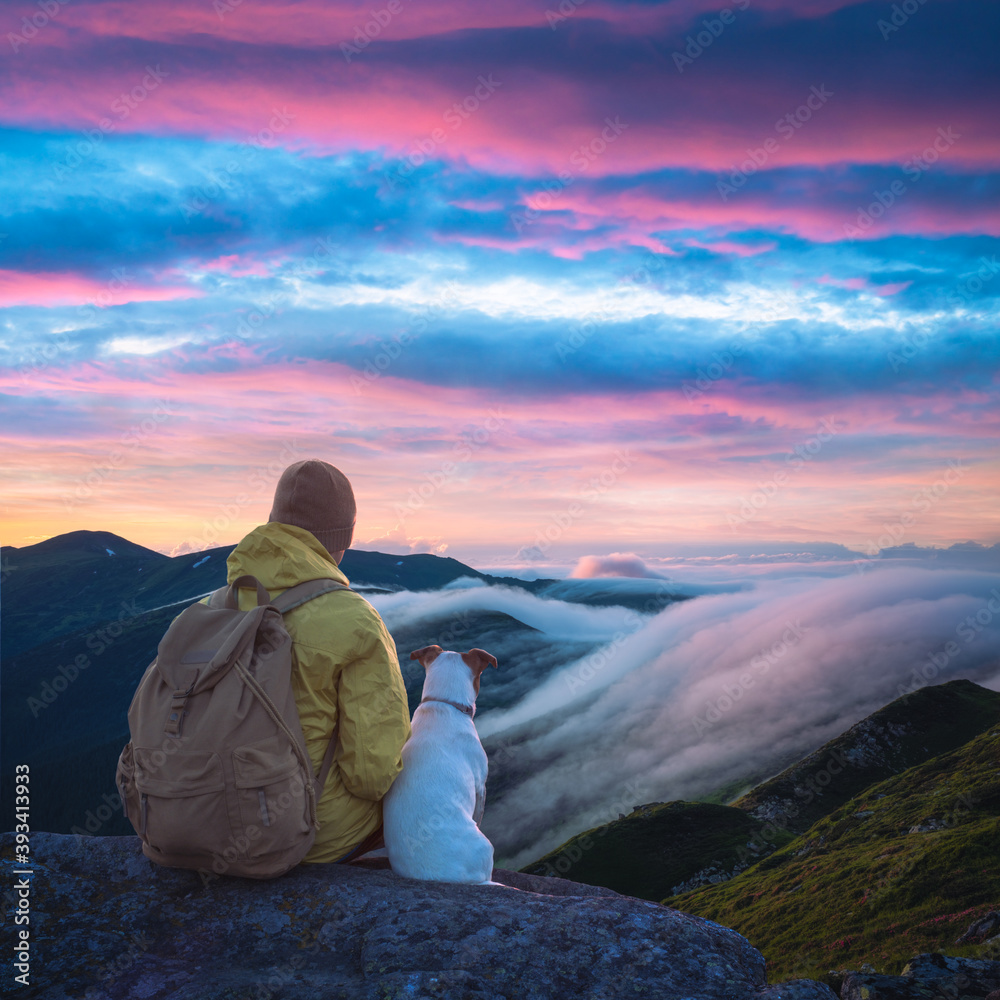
<point x="314" y="495"/>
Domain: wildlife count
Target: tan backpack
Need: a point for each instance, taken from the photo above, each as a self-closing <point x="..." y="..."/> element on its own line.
<point x="216" y="775"/>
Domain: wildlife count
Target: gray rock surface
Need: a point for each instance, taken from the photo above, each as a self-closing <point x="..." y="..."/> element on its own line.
<point x="798" y="989"/>
<point x="982" y="929"/>
<point x="970" y="976"/>
<point x="108" y="924"/>
<point x="927" y="977"/>
<point x="873" y="986"/>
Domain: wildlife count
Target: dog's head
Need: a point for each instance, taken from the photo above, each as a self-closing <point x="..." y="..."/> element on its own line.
<point x="477" y="660"/>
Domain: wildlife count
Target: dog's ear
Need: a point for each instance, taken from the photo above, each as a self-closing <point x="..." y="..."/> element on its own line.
<point x="427" y="655"/>
<point x="478" y="660"/>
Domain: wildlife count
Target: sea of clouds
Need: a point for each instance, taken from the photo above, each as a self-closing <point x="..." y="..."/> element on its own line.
<point x="654" y="699"/>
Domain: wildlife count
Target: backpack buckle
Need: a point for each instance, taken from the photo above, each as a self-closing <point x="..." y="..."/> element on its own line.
<point x="178" y="709"/>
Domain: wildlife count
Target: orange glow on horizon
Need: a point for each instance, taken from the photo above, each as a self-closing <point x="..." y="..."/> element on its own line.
<point x="191" y="461"/>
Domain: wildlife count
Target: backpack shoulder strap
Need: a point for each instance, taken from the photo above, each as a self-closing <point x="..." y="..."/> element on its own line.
<point x="298" y="595"/>
<point x="295" y="597"/>
<point x="292" y="598"/>
<point x="217" y="599"/>
<point x="228" y="596"/>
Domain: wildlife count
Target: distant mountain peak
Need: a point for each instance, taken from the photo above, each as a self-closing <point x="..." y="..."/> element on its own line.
<point x="87" y="543"/>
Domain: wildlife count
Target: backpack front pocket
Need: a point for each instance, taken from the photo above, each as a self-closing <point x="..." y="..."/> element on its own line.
<point x="274" y="807"/>
<point x="181" y="801"/>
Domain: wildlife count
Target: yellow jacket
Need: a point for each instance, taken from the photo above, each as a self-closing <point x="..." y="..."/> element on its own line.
<point x="344" y="665"/>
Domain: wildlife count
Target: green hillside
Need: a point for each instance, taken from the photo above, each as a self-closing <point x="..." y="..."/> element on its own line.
<point x="910" y="729"/>
<point x="663" y="845"/>
<point x="903" y="868"/>
<point x="657" y="847"/>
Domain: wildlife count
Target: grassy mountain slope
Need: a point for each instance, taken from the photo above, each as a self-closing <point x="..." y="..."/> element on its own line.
<point x="902" y="868"/>
<point x="910" y="729"/>
<point x="666" y="844"/>
<point x="655" y="848"/>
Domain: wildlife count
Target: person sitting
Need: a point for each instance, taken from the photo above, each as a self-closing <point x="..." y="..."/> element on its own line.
<point x="345" y="672"/>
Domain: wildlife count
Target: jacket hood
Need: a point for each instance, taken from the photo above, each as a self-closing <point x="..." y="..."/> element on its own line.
<point x="280" y="556"/>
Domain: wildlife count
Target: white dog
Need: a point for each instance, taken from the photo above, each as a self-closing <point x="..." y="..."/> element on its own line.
<point x="431" y="814"/>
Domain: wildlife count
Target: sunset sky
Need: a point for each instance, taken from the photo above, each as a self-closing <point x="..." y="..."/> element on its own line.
<point x="545" y="280"/>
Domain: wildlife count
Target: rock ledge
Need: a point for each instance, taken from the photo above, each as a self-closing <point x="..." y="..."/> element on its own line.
<point x="108" y="924"/>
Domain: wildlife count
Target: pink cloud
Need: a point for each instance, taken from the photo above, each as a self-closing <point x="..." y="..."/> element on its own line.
<point x="864" y="284"/>
<point x="893" y="288"/>
<point x="309" y="23"/>
<point x="20" y="288"/>
<point x="734" y="248"/>
<point x="236" y="266"/>
<point x="471" y="457"/>
<point x="646" y="210"/>
<point x="618" y="564"/>
<point x="397" y="108"/>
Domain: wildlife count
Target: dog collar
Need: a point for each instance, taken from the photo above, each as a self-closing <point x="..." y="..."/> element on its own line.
<point x="469" y="710"/>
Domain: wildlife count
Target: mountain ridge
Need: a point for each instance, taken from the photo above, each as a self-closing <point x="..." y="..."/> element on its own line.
<point x="82" y="615"/>
<point x="83" y="578"/>
<point x="628" y="854"/>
